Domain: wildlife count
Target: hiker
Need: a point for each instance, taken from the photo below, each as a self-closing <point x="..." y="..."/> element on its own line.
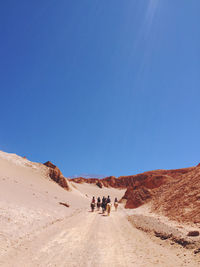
<point x="108" y="199"/>
<point x="98" y="203"/>
<point x="108" y="205"/>
<point x="103" y="204"/>
<point x="116" y="204"/>
<point x="93" y="200"/>
<point x="92" y="205"/>
<point x="108" y="208"/>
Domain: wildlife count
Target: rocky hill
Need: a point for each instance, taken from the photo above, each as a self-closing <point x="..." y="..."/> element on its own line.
<point x="174" y="193"/>
<point x="150" y="179"/>
<point x="180" y="199"/>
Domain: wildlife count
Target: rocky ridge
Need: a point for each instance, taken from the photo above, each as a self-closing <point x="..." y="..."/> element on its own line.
<point x="180" y="199"/>
<point x="174" y="193"/>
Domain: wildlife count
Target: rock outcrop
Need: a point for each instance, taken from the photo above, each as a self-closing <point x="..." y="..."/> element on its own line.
<point x="179" y="199"/>
<point x="141" y="187"/>
<point x="81" y="180"/>
<point x="150" y="180"/>
<point x="136" y="197"/>
<point x="99" y="184"/>
<point x="56" y="175"/>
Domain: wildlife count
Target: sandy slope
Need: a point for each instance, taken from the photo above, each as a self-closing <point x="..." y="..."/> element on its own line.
<point x="35" y="230"/>
<point x="29" y="199"/>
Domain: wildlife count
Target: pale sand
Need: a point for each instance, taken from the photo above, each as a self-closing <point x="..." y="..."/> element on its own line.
<point x="35" y="230"/>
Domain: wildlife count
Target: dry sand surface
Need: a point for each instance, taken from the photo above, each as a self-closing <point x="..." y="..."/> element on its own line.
<point x="35" y="230"/>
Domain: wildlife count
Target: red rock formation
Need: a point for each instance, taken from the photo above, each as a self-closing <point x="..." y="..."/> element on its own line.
<point x="136" y="197"/>
<point x="56" y="175"/>
<point x="146" y="185"/>
<point x="99" y="184"/>
<point x="151" y="179"/>
<point x="173" y="192"/>
<point x="180" y="199"/>
<point x="81" y="180"/>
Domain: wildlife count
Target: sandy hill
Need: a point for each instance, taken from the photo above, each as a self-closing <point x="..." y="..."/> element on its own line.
<point x="30" y="197"/>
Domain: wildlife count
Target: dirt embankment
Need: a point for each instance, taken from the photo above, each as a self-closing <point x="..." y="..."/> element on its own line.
<point x="165" y="229"/>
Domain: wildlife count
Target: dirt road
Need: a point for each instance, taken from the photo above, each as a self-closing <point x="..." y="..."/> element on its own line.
<point x="92" y="239"/>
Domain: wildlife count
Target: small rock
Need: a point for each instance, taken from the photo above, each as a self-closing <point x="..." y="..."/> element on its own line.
<point x="182" y="242"/>
<point x="197" y="251"/>
<point x="193" y="233"/>
<point x="64" y="204"/>
<point x="162" y="235"/>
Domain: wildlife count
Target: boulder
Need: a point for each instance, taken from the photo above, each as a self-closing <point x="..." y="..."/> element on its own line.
<point x="136" y="197"/>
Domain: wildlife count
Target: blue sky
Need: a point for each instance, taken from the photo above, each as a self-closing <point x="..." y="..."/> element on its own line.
<point x="101" y="87"/>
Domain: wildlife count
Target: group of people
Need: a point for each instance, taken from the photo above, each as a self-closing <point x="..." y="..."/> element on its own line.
<point x="105" y="204"/>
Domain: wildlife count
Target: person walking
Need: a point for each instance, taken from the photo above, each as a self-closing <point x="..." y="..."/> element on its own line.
<point x="103" y="204"/>
<point x="98" y="203"/>
<point x="92" y="204"/>
<point x="108" y="205"/>
<point x="116" y="204"/>
<point x="108" y="199"/>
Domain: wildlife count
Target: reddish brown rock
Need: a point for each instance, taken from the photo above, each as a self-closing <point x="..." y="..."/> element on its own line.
<point x="99" y="184"/>
<point x="174" y="193"/>
<point x="136" y="197"/>
<point x="64" y="204"/>
<point x="150" y="180"/>
<point x="193" y="233"/>
<point x="179" y="199"/>
<point x="81" y="180"/>
<point x="56" y="175"/>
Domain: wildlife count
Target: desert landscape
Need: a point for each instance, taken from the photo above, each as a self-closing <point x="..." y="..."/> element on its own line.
<point x="99" y="139"/>
<point x="45" y="218"/>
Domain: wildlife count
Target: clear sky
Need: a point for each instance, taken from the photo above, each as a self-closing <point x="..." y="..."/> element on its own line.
<point x="107" y="87"/>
